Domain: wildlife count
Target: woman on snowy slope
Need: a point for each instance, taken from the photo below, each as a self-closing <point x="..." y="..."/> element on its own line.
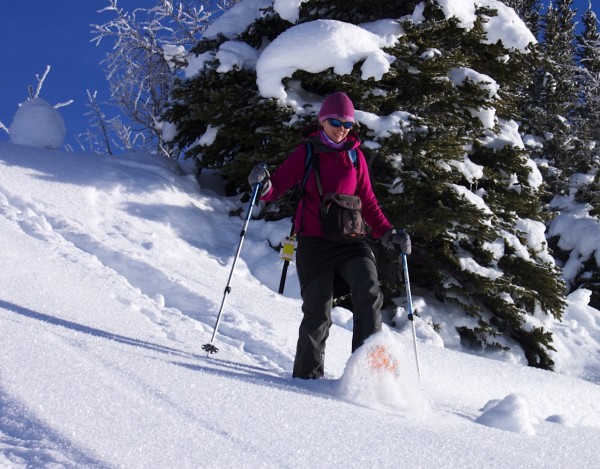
<point x="320" y="261"/>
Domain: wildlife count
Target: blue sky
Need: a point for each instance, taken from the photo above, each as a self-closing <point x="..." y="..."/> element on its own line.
<point x="36" y="33"/>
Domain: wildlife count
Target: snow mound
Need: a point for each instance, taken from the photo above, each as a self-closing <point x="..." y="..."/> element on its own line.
<point x="511" y="413"/>
<point x="38" y="124"/>
<point x="379" y="375"/>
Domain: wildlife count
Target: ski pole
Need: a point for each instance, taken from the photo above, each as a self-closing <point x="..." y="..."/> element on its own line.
<point x="410" y="309"/>
<point x="210" y="348"/>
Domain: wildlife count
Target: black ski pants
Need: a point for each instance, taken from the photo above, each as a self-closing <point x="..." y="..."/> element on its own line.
<point x="320" y="266"/>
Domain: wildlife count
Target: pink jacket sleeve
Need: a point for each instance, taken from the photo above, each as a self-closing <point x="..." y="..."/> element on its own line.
<point x="289" y="173"/>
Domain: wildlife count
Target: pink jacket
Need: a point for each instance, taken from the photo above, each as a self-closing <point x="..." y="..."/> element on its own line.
<point x="338" y="174"/>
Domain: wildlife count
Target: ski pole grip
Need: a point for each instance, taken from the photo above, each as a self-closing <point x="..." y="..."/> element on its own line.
<point x="259" y="185"/>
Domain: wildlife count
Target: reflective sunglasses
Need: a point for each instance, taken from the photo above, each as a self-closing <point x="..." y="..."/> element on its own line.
<point x="338" y="123"/>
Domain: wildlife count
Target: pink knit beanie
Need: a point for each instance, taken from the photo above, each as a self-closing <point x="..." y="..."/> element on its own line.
<point x="338" y="106"/>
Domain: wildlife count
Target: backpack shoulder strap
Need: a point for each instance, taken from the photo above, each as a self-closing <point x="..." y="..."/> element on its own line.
<point x="308" y="162"/>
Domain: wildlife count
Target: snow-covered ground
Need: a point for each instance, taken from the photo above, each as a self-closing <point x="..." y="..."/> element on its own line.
<point x="113" y="271"/>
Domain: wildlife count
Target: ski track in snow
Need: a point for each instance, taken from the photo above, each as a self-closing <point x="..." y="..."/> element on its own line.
<point x="39" y="221"/>
<point x="23" y="438"/>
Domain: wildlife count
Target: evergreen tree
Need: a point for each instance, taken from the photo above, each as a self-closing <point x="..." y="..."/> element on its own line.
<point x="468" y="194"/>
<point x="554" y="98"/>
<point x="529" y="11"/>
<point x="588" y="53"/>
<point x="587" y="124"/>
<point x="589" y="41"/>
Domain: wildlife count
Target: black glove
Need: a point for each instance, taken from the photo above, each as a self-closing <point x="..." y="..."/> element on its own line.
<point x="393" y="239"/>
<point x="260" y="175"/>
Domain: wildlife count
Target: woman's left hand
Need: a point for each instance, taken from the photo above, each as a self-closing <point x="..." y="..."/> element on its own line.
<point x="393" y="239"/>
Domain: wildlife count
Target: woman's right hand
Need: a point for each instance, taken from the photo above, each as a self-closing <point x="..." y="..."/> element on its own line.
<point x="260" y="175"/>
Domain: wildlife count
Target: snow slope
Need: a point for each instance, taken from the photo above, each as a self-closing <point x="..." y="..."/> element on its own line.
<point x="113" y="271"/>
